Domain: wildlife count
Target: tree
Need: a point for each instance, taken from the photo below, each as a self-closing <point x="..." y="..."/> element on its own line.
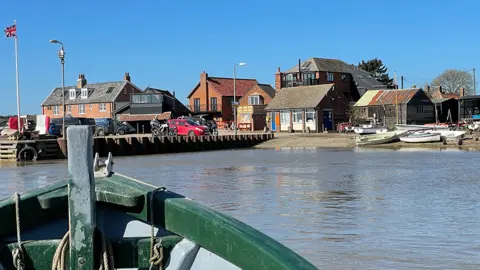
<point x="378" y="71"/>
<point x="451" y="80"/>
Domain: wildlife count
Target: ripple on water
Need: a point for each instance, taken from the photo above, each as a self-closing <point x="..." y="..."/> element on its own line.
<point x="340" y="209"/>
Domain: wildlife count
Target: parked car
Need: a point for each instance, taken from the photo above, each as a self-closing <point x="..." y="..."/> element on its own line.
<point x="74" y="121"/>
<point x="106" y="126"/>
<point x="188" y="127"/>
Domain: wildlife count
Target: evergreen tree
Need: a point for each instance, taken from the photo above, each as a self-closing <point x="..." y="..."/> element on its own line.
<point x="378" y="71"/>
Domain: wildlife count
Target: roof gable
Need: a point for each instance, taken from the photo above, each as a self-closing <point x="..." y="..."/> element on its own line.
<point x="97" y="93"/>
<point x="388" y="97"/>
<point x="265" y="88"/>
<point x="299" y="97"/>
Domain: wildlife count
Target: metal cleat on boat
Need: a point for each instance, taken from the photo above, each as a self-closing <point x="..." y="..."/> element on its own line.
<point x="103" y="168"/>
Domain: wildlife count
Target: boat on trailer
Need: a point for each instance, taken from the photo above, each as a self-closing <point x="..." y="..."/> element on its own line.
<point x="99" y="219"/>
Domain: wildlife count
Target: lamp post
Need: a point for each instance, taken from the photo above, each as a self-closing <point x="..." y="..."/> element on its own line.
<point x="241" y="64"/>
<point x="61" y="55"/>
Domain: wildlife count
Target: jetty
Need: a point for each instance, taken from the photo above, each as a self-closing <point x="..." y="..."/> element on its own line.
<point x="127" y="145"/>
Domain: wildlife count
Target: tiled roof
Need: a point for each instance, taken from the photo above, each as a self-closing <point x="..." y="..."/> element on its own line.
<point x="362" y="78"/>
<point x="387" y="97"/>
<point x="438" y="94"/>
<point x="144" y="117"/>
<point x="268" y="89"/>
<point x="97" y="93"/>
<point x="301" y="97"/>
<point x="224" y="86"/>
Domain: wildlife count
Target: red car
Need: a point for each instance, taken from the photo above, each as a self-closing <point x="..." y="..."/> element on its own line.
<point x="188" y="127"/>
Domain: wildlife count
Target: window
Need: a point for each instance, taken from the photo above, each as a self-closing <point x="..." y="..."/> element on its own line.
<point x="254" y="100"/>
<point x="310" y="116"/>
<point x="196" y="105"/>
<point x="420" y="109"/>
<point x="110" y="89"/>
<point x="49" y="108"/>
<point x="156" y="98"/>
<point x="309" y="76"/>
<point x="73" y="94"/>
<point x="56" y="110"/>
<point x="213" y="104"/>
<point x="81" y="108"/>
<point x="84" y="93"/>
<point x="69" y="109"/>
<point x="330" y="77"/>
<point x="297" y="116"/>
<point x="285" y="117"/>
<point x="103" y="107"/>
<point x="344" y="77"/>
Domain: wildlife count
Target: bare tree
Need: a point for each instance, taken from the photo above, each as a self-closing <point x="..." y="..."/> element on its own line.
<point x="451" y="80"/>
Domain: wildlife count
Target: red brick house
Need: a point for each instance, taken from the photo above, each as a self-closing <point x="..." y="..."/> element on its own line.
<point x="214" y="96"/>
<point x="98" y="100"/>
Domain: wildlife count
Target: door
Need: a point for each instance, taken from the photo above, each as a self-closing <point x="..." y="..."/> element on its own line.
<point x="182" y="127"/>
<point x="273" y="121"/>
<point x="328" y="119"/>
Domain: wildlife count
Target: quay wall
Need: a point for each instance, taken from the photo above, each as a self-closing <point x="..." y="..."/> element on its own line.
<point x="147" y="145"/>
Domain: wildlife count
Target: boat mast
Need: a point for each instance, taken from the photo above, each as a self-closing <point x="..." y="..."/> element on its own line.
<point x="396" y="95"/>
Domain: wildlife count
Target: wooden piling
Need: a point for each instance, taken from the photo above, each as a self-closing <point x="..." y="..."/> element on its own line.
<point x="81" y="197"/>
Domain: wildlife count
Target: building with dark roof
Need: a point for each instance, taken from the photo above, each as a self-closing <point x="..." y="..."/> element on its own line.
<point x="352" y="81"/>
<point x="98" y="100"/>
<point x="411" y="106"/>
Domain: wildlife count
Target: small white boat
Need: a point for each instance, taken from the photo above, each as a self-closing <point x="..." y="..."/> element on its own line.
<point x="369" y="129"/>
<point x="449" y="134"/>
<point x="421" y="137"/>
<point x="474" y="126"/>
<point x="420" y="127"/>
<point x="380" y="138"/>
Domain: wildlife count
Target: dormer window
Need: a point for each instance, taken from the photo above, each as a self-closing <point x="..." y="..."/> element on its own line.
<point x="84" y="94"/>
<point x="72" y="94"/>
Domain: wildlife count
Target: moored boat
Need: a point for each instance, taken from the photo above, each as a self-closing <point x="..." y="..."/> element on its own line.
<point x="380" y="138"/>
<point x="369" y="129"/>
<point x="402" y="127"/>
<point x="98" y="219"/>
<point x="421" y="137"/>
<point x="449" y="134"/>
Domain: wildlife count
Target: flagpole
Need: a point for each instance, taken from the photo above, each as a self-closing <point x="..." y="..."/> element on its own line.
<point x="20" y="127"/>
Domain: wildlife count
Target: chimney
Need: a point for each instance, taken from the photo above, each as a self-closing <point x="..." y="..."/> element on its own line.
<point x="203" y="78"/>
<point x="126" y="77"/>
<point x="81" y="82"/>
<point x="173" y="94"/>
<point x="462" y="91"/>
<point x="278" y="79"/>
<point x="440" y="89"/>
<point x="427" y="88"/>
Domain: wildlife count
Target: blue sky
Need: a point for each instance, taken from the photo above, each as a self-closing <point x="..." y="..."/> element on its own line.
<point x="167" y="44"/>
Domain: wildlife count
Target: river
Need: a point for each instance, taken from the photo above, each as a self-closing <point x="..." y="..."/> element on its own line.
<point x="340" y="209"/>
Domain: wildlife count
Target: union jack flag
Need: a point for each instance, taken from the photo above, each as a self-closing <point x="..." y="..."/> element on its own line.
<point x="11" y="31"/>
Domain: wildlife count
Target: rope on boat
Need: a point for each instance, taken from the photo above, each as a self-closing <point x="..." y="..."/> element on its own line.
<point x="17" y="253"/>
<point x="156" y="249"/>
<point x="106" y="260"/>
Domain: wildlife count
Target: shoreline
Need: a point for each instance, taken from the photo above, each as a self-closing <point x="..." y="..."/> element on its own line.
<point x="346" y="141"/>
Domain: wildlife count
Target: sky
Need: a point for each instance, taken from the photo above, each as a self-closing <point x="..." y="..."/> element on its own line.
<point x="167" y="44"/>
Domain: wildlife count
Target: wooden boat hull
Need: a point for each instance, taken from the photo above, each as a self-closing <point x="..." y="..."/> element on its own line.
<point x="401" y="127"/>
<point x="380" y="138"/>
<point x="193" y="236"/>
<point x="424" y="138"/>
<point x="449" y="134"/>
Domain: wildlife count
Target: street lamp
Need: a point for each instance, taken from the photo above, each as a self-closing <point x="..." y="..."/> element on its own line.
<point x="61" y="55"/>
<point x="241" y="64"/>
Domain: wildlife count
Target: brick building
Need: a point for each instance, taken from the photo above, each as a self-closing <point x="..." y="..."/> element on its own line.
<point x="98" y="100"/>
<point x="214" y="96"/>
<point x="348" y="79"/>
<point x="251" y="114"/>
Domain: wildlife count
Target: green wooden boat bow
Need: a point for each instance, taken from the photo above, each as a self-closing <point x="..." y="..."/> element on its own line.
<point x="103" y="220"/>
